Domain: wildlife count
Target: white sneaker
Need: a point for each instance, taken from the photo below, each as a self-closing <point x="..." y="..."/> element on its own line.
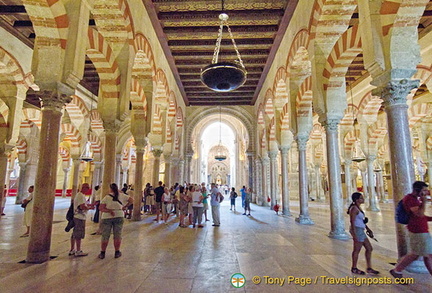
<point x="81" y="253"/>
<point x="72" y="252"/>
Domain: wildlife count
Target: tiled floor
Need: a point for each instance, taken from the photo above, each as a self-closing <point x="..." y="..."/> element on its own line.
<point x="160" y="258"/>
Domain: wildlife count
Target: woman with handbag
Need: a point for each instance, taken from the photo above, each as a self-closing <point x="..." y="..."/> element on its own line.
<point x="357" y="229"/>
<point x="27" y="204"/>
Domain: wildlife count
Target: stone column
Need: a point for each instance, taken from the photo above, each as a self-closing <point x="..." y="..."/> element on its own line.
<point x="156" y="166"/>
<point x="335" y="184"/>
<point x="181" y="172"/>
<point x="251" y="172"/>
<point x="96" y="173"/>
<point x="45" y="184"/>
<point x="109" y="156"/>
<point x="65" y="182"/>
<point x="3" y="171"/>
<point x="394" y="95"/>
<point x="118" y="169"/>
<point x="318" y="183"/>
<point x="167" y="175"/>
<point x="266" y="179"/>
<point x="258" y="182"/>
<point x="380" y="186"/>
<point x="373" y="205"/>
<point x="429" y="166"/>
<point x="348" y="183"/>
<point x="76" y="162"/>
<point x="138" y="188"/>
<point x="285" y="184"/>
<point x="304" y="217"/>
<point x="273" y="178"/>
<point x="188" y="167"/>
<point x="365" y="184"/>
<point x="21" y="192"/>
<point x="125" y="176"/>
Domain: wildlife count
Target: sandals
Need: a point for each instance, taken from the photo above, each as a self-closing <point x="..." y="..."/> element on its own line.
<point x="357" y="271"/>
<point x="372" y="271"/>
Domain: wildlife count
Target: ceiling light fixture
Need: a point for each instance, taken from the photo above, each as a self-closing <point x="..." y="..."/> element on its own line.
<point x="224" y="76"/>
<point x="220" y="156"/>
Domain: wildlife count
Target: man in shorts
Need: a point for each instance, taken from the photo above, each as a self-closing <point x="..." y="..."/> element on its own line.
<point x="159" y="191"/>
<point x="80" y="214"/>
<point x="420" y="239"/>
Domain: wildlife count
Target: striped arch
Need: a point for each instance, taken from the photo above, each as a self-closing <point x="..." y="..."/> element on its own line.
<point x="172" y="106"/>
<point x="429" y="143"/>
<point x="349" y="141"/>
<point x="263" y="142"/>
<point x="418" y="112"/>
<point x="96" y="121"/>
<point x="269" y="109"/>
<point x="50" y="21"/>
<point x="383" y="151"/>
<point x="177" y="142"/>
<point x="280" y="88"/>
<point x="260" y="115"/>
<point x="137" y="97"/>
<point x="64" y="153"/>
<point x="11" y="67"/>
<point x="377" y="132"/>
<point x="77" y="111"/>
<point x="100" y="53"/>
<point x="72" y="135"/>
<point x="284" y="118"/>
<point x="403" y="13"/>
<point x="304" y="98"/>
<point x="33" y="115"/>
<point x="144" y="63"/>
<point x="424" y="74"/>
<point x="317" y="131"/>
<point x="162" y="89"/>
<point x="113" y="20"/>
<point x="4" y="114"/>
<point x="351" y="112"/>
<point x="272" y="131"/>
<point x="179" y="117"/>
<point x="343" y="53"/>
<point x="300" y="40"/>
<point x="168" y="134"/>
<point x="157" y="121"/>
<point x="369" y="107"/>
<point x="21" y="146"/>
<point x="96" y="145"/>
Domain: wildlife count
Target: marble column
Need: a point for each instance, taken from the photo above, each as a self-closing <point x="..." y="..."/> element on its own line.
<point x="188" y="168"/>
<point x="118" y="169"/>
<point x="304" y="217"/>
<point x="96" y="173"/>
<point x="335" y="184"/>
<point x="394" y="95"/>
<point x="65" y="182"/>
<point x="266" y="180"/>
<point x="373" y="202"/>
<point x="46" y="176"/>
<point x="109" y="156"/>
<point x="76" y="162"/>
<point x="167" y="175"/>
<point x="348" y="181"/>
<point x="3" y="171"/>
<point x="181" y="172"/>
<point x="365" y="185"/>
<point x="251" y="173"/>
<point x="380" y="186"/>
<point x="273" y="178"/>
<point x="258" y="182"/>
<point x="138" y="187"/>
<point x="319" y="190"/>
<point x="285" y="184"/>
<point x="125" y="175"/>
<point x="156" y="166"/>
<point x="21" y="192"/>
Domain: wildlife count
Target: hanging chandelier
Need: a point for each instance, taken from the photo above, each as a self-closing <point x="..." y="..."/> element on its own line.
<point x="358" y="155"/>
<point x="224" y="76"/>
<point x="220" y="156"/>
<point x="86" y="155"/>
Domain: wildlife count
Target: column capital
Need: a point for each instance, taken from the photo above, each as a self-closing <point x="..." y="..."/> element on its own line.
<point x="111" y="126"/>
<point x="265" y="160"/>
<point x="348" y="162"/>
<point x="53" y="100"/>
<point x="97" y="164"/>
<point x="370" y="158"/>
<point x="331" y="124"/>
<point x="157" y="152"/>
<point x="302" y="142"/>
<point x="395" y="92"/>
<point x="272" y="154"/>
<point x="66" y="170"/>
<point x="284" y="149"/>
<point x="23" y="165"/>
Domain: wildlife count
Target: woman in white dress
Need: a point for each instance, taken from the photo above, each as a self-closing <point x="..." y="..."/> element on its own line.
<point x="28" y="211"/>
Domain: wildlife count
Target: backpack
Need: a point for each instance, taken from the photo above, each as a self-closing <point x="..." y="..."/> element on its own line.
<point x="401" y="215"/>
<point x="70" y="218"/>
<point x="221" y="197"/>
<point x="235" y="195"/>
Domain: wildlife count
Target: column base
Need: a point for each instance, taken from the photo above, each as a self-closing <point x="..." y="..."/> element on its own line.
<point x="304" y="220"/>
<point x="418" y="267"/>
<point x="384" y="201"/>
<point x="136" y="218"/>
<point x="341" y="235"/>
<point x="373" y="209"/>
<point x="286" y="212"/>
<point x="38" y="257"/>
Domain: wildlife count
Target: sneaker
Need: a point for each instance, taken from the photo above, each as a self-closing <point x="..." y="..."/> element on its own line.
<point x="117" y="254"/>
<point x="81" y="253"/>
<point x="244" y="214"/>
<point x="200" y="226"/>
<point x="101" y="255"/>
<point x="396" y="274"/>
<point x="72" y="252"/>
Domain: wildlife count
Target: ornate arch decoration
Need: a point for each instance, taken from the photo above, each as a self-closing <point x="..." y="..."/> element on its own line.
<point x="300" y="40"/>
<point x="349" y="141"/>
<point x="179" y="117"/>
<point x="144" y="63"/>
<point x="4" y="114"/>
<point x="12" y="68"/>
<point x="102" y="56"/>
<point x="123" y="137"/>
<point x="418" y="112"/>
<point x="137" y="97"/>
<point x="50" y="21"/>
<point x="73" y="136"/>
<point x="157" y="120"/>
<point x="284" y="118"/>
<point x="260" y="116"/>
<point x="351" y="112"/>
<point x="429" y="143"/>
<point x="376" y="132"/>
<point x="343" y="53"/>
<point x="21" y="147"/>
<point x="271" y="129"/>
<point x="113" y="20"/>
<point x="239" y="113"/>
<point x="162" y="88"/>
<point x="96" y="121"/>
<point x="324" y="14"/>
<point x="172" y="106"/>
<point x="64" y="153"/>
<point x="96" y="145"/>
<point x="33" y="115"/>
<point x="77" y="111"/>
<point x="304" y="98"/>
<point x="369" y="107"/>
<point x="268" y="108"/>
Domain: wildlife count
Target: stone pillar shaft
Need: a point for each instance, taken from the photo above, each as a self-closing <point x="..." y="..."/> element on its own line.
<point x="348" y="180"/>
<point x="304" y="217"/>
<point x="373" y="205"/>
<point x="21" y="183"/>
<point x="65" y="181"/>
<point x="335" y="184"/>
<point x="318" y="182"/>
<point x="3" y="171"/>
<point x="118" y="169"/>
<point x="45" y="184"/>
<point x="156" y="166"/>
<point x="258" y="182"/>
<point x="109" y="158"/>
<point x="76" y="166"/>
<point x="136" y="214"/>
<point x="266" y="180"/>
<point x="273" y="178"/>
<point x="285" y="183"/>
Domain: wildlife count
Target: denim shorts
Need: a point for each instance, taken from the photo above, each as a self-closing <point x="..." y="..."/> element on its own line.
<point x="360" y="233"/>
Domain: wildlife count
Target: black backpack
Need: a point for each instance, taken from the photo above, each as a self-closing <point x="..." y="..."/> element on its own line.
<point x="402" y="215"/>
<point x="70" y="218"/>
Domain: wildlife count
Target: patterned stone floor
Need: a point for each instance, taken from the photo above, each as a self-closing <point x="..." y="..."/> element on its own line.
<point x="167" y="258"/>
